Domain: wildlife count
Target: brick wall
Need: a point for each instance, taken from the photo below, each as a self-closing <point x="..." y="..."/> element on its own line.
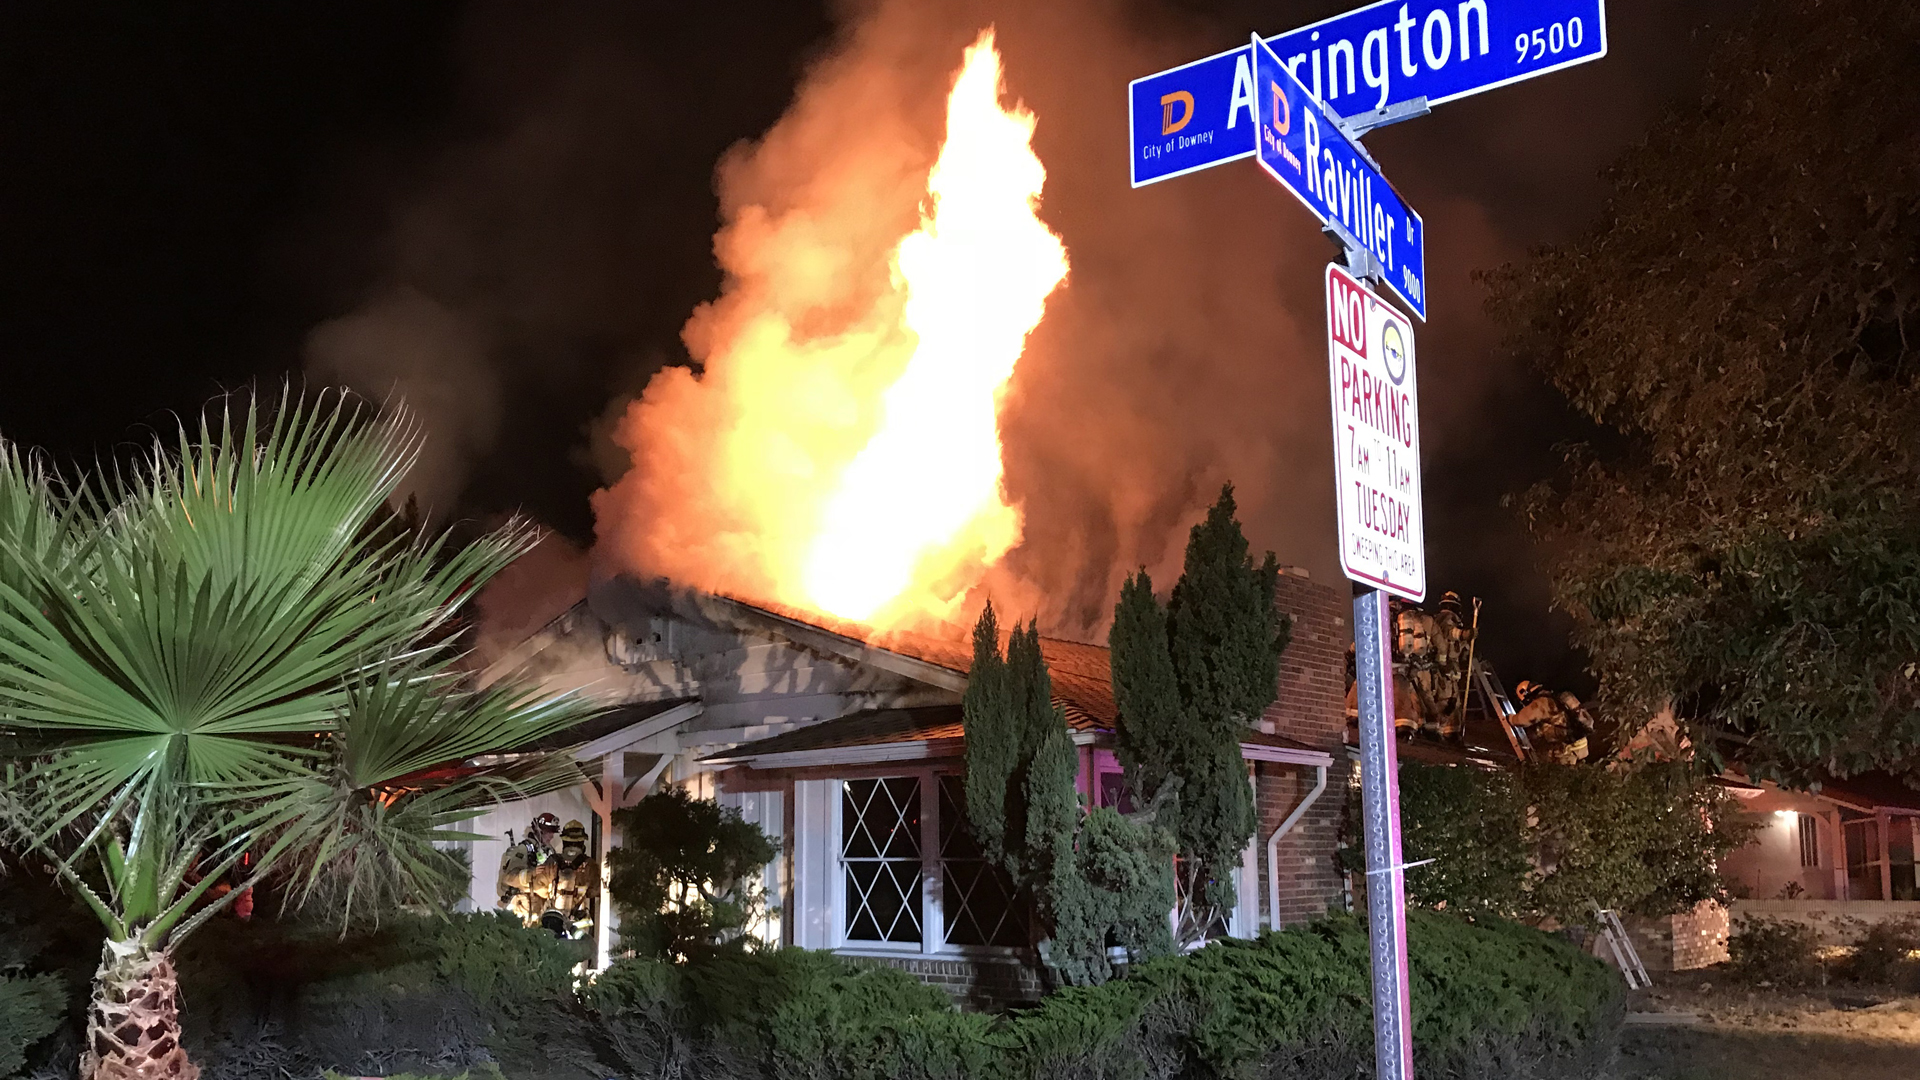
<point x="1683" y="942"/>
<point x="1311" y="708"/>
<point x="982" y="984"/>
<point x="1312" y="702"/>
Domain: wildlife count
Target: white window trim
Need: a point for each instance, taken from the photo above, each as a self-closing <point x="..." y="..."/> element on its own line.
<point x="933" y="923"/>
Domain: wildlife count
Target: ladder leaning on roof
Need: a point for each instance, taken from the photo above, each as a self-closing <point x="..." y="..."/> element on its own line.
<point x="1502" y="709"/>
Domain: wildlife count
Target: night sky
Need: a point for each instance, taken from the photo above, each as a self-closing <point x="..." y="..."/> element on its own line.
<point x="188" y="191"/>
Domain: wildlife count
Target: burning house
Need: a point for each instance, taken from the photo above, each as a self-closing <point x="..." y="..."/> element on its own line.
<point x="846" y="748"/>
<point x="835" y="455"/>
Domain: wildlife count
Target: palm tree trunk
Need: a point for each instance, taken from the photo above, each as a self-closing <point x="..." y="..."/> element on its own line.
<point x="133" y="1028"/>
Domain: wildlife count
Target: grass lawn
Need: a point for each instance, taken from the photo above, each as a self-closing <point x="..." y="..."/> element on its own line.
<point x="1689" y="1028"/>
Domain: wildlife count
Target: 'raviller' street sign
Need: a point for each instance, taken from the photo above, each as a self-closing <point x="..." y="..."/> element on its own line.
<point x="1376" y="439"/>
<point x="1300" y="144"/>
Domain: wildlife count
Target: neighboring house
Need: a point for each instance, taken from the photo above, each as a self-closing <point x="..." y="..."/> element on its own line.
<point x="1853" y="840"/>
<point x="847" y="749"/>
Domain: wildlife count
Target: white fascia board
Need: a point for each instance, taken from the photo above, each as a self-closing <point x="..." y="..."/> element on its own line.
<point x="914" y="750"/>
<point x="633" y="733"/>
<point x="1285" y="755"/>
<point x="917" y="750"/>
<point x="733" y="736"/>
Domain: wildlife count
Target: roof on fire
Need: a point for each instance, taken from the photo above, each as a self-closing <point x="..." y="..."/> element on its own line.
<point x="1082" y="685"/>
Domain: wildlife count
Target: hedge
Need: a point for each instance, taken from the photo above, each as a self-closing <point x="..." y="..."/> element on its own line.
<point x="482" y="996"/>
<point x="1490" y="999"/>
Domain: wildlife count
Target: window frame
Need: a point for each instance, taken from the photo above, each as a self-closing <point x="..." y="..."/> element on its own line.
<point x="933" y="924"/>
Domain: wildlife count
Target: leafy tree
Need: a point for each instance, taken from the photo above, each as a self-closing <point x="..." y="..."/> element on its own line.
<point x="1744" y="324"/>
<point x="1188" y="683"/>
<point x="683" y="876"/>
<point x="217" y="665"/>
<point x="1647" y="840"/>
<point x="1093" y="876"/>
<point x="1473" y="824"/>
<point x="1550" y="841"/>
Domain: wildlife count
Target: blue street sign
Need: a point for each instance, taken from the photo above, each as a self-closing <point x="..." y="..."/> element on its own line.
<point x="1192" y="116"/>
<point x="1398" y="50"/>
<point x="1301" y="145"/>
<point x="1384" y="54"/>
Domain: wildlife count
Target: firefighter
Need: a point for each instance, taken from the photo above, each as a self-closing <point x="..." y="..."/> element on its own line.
<point x="1453" y="640"/>
<point x="1422" y="663"/>
<point x="572" y="884"/>
<point x="1556" y="724"/>
<point x="521" y="868"/>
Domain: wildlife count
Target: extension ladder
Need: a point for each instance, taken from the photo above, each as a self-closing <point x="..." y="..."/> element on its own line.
<point x="1624" y="954"/>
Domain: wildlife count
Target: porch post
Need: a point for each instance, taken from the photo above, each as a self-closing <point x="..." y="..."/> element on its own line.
<point x="1838" y="853"/>
<point x="1884" y="823"/>
<point x="603" y="802"/>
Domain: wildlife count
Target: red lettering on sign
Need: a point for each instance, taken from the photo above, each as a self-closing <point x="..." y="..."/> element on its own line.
<point x="1347" y="313"/>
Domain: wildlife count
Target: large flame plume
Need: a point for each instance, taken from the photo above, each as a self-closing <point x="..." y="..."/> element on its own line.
<point x="855" y="469"/>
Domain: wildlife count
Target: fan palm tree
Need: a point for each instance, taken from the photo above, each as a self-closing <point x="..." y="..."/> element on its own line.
<point x="226" y="663"/>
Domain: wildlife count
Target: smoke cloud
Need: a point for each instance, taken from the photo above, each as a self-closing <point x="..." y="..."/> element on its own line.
<point x="1182" y="354"/>
<point x="535" y="272"/>
<point x="407" y="346"/>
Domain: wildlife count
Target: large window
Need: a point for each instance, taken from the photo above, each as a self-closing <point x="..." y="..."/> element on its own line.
<point x="880" y="850"/>
<point x="976" y="897"/>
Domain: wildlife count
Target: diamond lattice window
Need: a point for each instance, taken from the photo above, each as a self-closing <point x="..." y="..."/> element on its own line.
<point x="880" y="849"/>
<point x="976" y="896"/>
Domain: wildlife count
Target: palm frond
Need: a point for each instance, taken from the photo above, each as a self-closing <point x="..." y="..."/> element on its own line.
<point x="228" y="651"/>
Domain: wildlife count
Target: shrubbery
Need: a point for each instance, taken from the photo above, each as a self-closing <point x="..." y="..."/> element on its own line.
<point x="1550" y="841"/>
<point x="683" y="878"/>
<point x="1888" y="953"/>
<point x="265" y="1000"/>
<point x="481" y="996"/>
<point x="1490" y="1000"/>
<point x="1786" y="952"/>
<point x="1779" y="951"/>
<point x="31" y="1007"/>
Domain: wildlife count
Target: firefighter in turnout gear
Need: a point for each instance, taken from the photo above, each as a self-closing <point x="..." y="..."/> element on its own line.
<point x="1556" y="724"/>
<point x="569" y="885"/>
<point x="521" y="865"/>
<point x="1431" y="651"/>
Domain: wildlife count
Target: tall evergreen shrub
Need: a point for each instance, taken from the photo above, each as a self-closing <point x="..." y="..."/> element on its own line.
<point x="1095" y="877"/>
<point x="1188" y="682"/>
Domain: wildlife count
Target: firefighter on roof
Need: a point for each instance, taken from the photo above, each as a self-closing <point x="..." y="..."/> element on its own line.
<point x="1556" y="724"/>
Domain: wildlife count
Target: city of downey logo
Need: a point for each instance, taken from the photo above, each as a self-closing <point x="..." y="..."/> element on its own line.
<point x="1168" y="125"/>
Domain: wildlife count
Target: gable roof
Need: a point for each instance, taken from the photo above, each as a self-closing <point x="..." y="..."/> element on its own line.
<point x="1082" y="678"/>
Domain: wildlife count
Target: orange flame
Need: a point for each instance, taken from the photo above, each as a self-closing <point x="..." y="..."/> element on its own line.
<point x="856" y="473"/>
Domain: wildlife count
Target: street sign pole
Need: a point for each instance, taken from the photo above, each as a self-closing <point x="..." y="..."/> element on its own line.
<point x="1370" y="557"/>
<point x="1380" y="813"/>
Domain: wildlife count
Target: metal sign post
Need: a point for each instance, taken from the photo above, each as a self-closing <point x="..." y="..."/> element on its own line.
<point x="1380" y="814"/>
<point x="1376" y="433"/>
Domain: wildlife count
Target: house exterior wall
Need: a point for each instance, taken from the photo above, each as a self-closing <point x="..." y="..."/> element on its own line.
<point x="1310" y="707"/>
<point x="1769" y="867"/>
